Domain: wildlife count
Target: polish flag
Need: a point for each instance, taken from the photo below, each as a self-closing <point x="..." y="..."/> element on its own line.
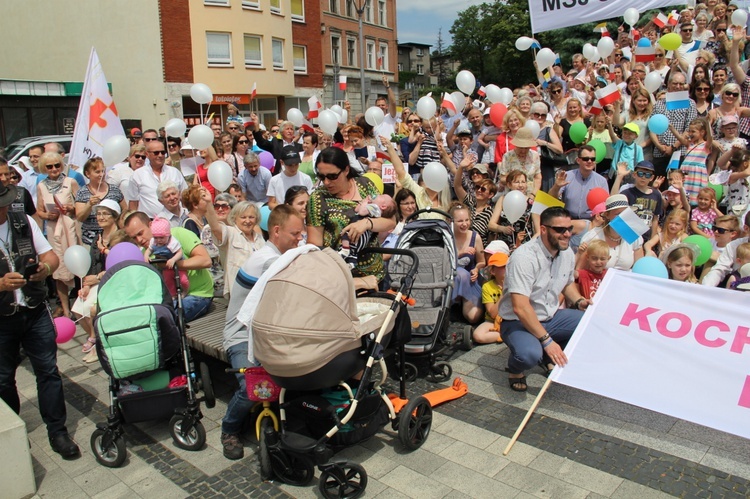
<point x="254" y="91"/>
<point x="342" y="83"/>
<point x="674" y="18"/>
<point x="448" y="104"/>
<point x="482" y="92"/>
<point x="596" y="108"/>
<point x="644" y="51"/>
<point x="660" y="20"/>
<point x="601" y="28"/>
<point x="314" y="105"/>
<point x="307" y="127"/>
<point x="608" y="94"/>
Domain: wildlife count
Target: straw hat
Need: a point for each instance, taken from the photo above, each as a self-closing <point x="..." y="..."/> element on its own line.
<point x="616" y="201"/>
<point x="523" y="138"/>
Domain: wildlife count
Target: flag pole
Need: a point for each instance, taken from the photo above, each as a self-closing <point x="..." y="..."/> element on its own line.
<point x="528" y="416"/>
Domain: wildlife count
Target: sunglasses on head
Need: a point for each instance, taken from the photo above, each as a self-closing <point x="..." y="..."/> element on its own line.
<point x="139" y="156"/>
<point x="643" y="174"/>
<point x="733" y="94"/>
<point x="329" y="176"/>
<point x="721" y="230"/>
<point x="55" y="166"/>
<point x="560" y="230"/>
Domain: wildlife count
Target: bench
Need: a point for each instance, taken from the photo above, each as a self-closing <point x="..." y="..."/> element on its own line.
<point x="206" y="334"/>
<point x="16" y="470"/>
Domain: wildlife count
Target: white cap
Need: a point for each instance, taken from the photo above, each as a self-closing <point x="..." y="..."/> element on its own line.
<point x="111" y="204"/>
<point x="186" y="145"/>
<point x="497" y="246"/>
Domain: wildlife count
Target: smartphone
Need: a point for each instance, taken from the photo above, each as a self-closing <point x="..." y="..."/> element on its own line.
<point x="31" y="269"/>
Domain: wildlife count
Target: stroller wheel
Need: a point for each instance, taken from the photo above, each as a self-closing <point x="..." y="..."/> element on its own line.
<point x="208" y="388"/>
<point x="343" y="480"/>
<point x="410" y="371"/>
<point x="264" y="456"/>
<point x="190" y="439"/>
<point x="292" y="469"/>
<point x="466" y="338"/>
<point x="110" y="453"/>
<point x="415" y="422"/>
<point x="440" y="371"/>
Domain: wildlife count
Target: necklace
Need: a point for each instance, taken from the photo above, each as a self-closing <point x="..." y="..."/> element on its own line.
<point x="6" y="242"/>
<point x="613" y="238"/>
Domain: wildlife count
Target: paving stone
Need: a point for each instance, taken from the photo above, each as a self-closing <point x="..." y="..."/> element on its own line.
<point x="520" y="453"/>
<point x="635" y="415"/>
<point x="389" y="493"/>
<point x="727" y="462"/>
<point x="576" y="474"/>
<point x="158" y="486"/>
<point x="414" y="484"/>
<point x="538" y="484"/>
<point x="469" y="434"/>
<point x="419" y="460"/>
<point x="479" y="460"/>
<point x="712" y="437"/>
<point x="629" y="490"/>
<point x="665" y="442"/>
<point x="471" y="482"/>
<point x="58" y="485"/>
<point x="375" y="463"/>
<point x="96" y="480"/>
<point x="437" y="441"/>
<point x="118" y="491"/>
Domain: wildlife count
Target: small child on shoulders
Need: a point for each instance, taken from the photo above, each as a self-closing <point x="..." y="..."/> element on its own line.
<point x="594" y="268"/>
<point x="492" y="291"/>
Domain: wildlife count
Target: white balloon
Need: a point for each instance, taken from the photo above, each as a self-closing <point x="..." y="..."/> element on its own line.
<point x="595" y="55"/>
<point x="201" y="94"/>
<point x="605" y="46"/>
<point x="506" y="96"/>
<point x="328" y="121"/>
<point x="631" y="16"/>
<point x="466" y="82"/>
<point x="493" y="92"/>
<point x="337" y="109"/>
<point x="344" y="116"/>
<point x="435" y="176"/>
<point x="524" y="42"/>
<point x="545" y="58"/>
<point x="459" y="99"/>
<point x="739" y="17"/>
<point x="534" y="127"/>
<point x="426" y="107"/>
<point x="514" y="205"/>
<point x="201" y="136"/>
<point x="374" y="116"/>
<point x="652" y="82"/>
<point x="220" y="175"/>
<point x="115" y="150"/>
<point x="78" y="260"/>
<point x="295" y="116"/>
<point x="175" y="127"/>
<point x="588" y="51"/>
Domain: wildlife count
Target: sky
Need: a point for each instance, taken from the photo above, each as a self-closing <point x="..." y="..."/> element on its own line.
<point x="419" y="20"/>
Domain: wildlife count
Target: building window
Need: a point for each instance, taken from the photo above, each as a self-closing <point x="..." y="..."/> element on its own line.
<point x="420" y="53"/>
<point x="370" y="55"/>
<point x="420" y="69"/>
<point x="298" y="10"/>
<point x="251" y="4"/>
<point x="253" y="52"/>
<point x="300" y="58"/>
<point x="335" y="49"/>
<point x="219" y="49"/>
<point x="351" y="10"/>
<point x="333" y="6"/>
<point x="221" y="3"/>
<point x="381" y="13"/>
<point x="277" y="48"/>
<point x="383" y="56"/>
<point x="368" y="11"/>
<point x="351" y="51"/>
<point x="276" y="6"/>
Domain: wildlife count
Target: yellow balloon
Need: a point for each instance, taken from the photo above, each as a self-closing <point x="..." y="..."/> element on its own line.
<point x="375" y="180"/>
<point x="670" y="41"/>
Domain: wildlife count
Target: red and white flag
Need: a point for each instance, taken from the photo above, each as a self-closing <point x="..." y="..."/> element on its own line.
<point x="596" y="107"/>
<point x="674" y="18"/>
<point x="342" y="83"/>
<point x="608" y="94"/>
<point x="307" y="127"/>
<point x="448" y="104"/>
<point x="482" y="92"/>
<point x="380" y="62"/>
<point x="644" y="53"/>
<point x="314" y="105"/>
<point x="660" y="20"/>
<point x="97" y="118"/>
<point x="601" y="28"/>
<point x="254" y="91"/>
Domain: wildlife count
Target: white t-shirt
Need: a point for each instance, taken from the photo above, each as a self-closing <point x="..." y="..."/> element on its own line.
<point x="621" y="257"/>
<point x="387" y="127"/>
<point x="143" y="186"/>
<point x="281" y="183"/>
<point x="41" y="246"/>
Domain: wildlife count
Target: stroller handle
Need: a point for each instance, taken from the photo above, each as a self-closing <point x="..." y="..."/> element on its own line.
<point x="429" y="209"/>
<point x="397" y="251"/>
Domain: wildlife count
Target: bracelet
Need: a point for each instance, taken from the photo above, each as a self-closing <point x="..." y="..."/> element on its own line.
<point x="578" y="303"/>
<point x="372" y="226"/>
<point x="544" y="338"/>
<point x="547" y="343"/>
<point x="49" y="269"/>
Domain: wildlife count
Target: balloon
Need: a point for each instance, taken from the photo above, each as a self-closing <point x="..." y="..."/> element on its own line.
<point x="650" y="265"/>
<point x="267" y="160"/>
<point x="426" y="107"/>
<point x="704" y="244"/>
<point x="534" y="127"/>
<point x="374" y="116"/>
<point x="201" y="94"/>
<point x="265" y="212"/>
<point x="631" y="16"/>
<point x="670" y="41"/>
<point x="78" y="260"/>
<point x="459" y="99"/>
<point x="344" y="116"/>
<point x="605" y="46"/>
<point x="201" y="136"/>
<point x="588" y="51"/>
<point x="595" y="55"/>
<point x="577" y="133"/>
<point x="596" y="196"/>
<point x="600" y="148"/>
<point x="739" y="17"/>
<point x="545" y="58"/>
<point x="175" y="127"/>
<point x="435" y="176"/>
<point x="718" y="189"/>
<point x="653" y="81"/>
<point x="220" y="175"/>
<point x="116" y="149"/>
<point x="337" y="109"/>
<point x="514" y="205"/>
<point x="493" y="92"/>
<point x="497" y="113"/>
<point x="122" y="252"/>
<point x="376" y="180"/>
<point x="466" y="82"/>
<point x="295" y="116"/>
<point x="658" y="124"/>
<point x="524" y="42"/>
<point x="328" y="121"/>
<point x="65" y="328"/>
<point x="506" y="96"/>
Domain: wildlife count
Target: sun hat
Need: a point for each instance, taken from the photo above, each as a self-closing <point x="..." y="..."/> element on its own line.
<point x="692" y="247"/>
<point x="632" y="127"/>
<point x="109" y="204"/>
<point x="481" y="168"/>
<point x="616" y="201"/>
<point x="160" y="227"/>
<point x="497" y="247"/>
<point x="7" y="195"/>
<point x="523" y="138"/>
<point x="498" y="260"/>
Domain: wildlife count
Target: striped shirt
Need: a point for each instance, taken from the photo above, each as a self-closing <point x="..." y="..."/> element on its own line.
<point x="679" y="118"/>
<point x="694" y="168"/>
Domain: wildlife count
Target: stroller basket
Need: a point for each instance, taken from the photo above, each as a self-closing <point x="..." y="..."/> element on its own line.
<point x="154" y="404"/>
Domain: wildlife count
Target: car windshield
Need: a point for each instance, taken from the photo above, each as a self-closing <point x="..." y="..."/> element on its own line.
<point x="15" y="148"/>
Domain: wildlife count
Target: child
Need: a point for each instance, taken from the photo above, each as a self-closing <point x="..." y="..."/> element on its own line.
<point x="380" y="206"/>
<point x="602" y="130"/>
<point x="699" y="147"/>
<point x="488" y="130"/>
<point x="704" y="215"/>
<point x="492" y="290"/>
<point x="626" y="151"/>
<point x="736" y="185"/>
<point x="742" y="259"/>
<point x="163" y="245"/>
<point x="674" y="196"/>
<point x="646" y="202"/>
<point x="591" y="275"/>
<point x="674" y="232"/>
<point x="680" y="262"/>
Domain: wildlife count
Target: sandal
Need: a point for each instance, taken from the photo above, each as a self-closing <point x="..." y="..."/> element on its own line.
<point x="88" y="345"/>
<point x="518" y="384"/>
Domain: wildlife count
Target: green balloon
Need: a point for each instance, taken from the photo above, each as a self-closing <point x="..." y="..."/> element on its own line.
<point x="578" y="132"/>
<point x="718" y="189"/>
<point x="601" y="149"/>
<point x="705" y="247"/>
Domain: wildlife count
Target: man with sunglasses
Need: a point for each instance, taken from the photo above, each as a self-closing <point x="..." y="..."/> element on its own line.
<point x="534" y="327"/>
<point x="645" y="201"/>
<point x="572" y="187"/>
<point x="145" y="181"/>
<point x="684" y="53"/>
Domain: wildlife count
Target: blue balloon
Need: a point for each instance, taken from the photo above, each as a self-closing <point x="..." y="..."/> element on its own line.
<point x="658" y="124"/>
<point x="650" y="265"/>
<point x="644" y="42"/>
<point x="265" y="212"/>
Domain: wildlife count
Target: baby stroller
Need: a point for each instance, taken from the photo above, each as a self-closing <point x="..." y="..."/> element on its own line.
<point x="141" y="342"/>
<point x="322" y="357"/>
<point x="431" y="240"/>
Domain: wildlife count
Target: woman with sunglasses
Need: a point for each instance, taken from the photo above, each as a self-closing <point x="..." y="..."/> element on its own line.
<point x="119" y="175"/>
<point x="557" y="100"/>
<point x="240" y="146"/>
<point x="622" y="255"/>
<point x="721" y="46"/>
<point x="730" y="106"/>
<point x="702" y="93"/>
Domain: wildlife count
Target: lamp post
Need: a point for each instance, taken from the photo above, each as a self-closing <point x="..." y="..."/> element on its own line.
<point x="361" y="4"/>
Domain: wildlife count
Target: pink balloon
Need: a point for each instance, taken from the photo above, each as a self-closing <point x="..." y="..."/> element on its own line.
<point x="266" y="160"/>
<point x="66" y="329"/>
<point x="121" y="252"/>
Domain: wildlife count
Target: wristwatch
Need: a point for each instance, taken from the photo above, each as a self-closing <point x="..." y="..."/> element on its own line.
<point x="578" y="303"/>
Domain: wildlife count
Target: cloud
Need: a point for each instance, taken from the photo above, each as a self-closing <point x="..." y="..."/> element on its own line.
<point x="419" y="20"/>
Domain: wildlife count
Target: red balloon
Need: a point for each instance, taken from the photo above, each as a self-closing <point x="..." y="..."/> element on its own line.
<point x="65" y="328"/>
<point x="497" y="113"/>
<point x="596" y="196"/>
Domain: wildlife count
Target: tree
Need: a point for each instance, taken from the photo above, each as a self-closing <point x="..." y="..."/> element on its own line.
<point x="439" y="63"/>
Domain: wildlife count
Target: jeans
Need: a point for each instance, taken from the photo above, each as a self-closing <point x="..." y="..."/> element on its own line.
<point x="525" y="349"/>
<point x="195" y="307"/>
<point x="34" y="330"/>
<point x="239" y="407"/>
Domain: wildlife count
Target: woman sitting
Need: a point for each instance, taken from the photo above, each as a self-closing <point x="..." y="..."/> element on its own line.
<point x="479" y="200"/>
<point x="622" y="255"/>
<point x="516" y="233"/>
<point x="470" y="250"/>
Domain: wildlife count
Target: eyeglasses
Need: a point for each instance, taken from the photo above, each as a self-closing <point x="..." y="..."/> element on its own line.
<point x="560" y="230"/>
<point x="658" y="55"/>
<point x="642" y="174"/>
<point x="139" y="156"/>
<point x="721" y="230"/>
<point x="243" y="141"/>
<point x="587" y="159"/>
<point x="482" y="189"/>
<point x="721" y="30"/>
<point x="618" y="54"/>
<point x="329" y="176"/>
<point x="559" y="90"/>
<point x="233" y="128"/>
<point x="703" y="89"/>
<point x="103" y="214"/>
<point x="733" y="94"/>
<point x="161" y="152"/>
<point x="274" y="130"/>
<point x="221" y="206"/>
<point x="539" y="115"/>
<point x="172" y="146"/>
<point x="150" y="139"/>
<point x="475" y="172"/>
<point x="54" y="166"/>
<point x="639" y="71"/>
<point x="414" y="121"/>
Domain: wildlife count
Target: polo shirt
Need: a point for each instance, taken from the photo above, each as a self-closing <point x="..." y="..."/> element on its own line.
<point x="255" y="187"/>
<point x="143" y="184"/>
<point x="201" y="283"/>
<point x="574" y="194"/>
<point x="174" y="220"/>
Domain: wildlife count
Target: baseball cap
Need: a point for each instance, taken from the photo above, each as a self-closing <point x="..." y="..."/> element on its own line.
<point x="290" y="156"/>
<point x="645" y="165"/>
<point x="481" y="168"/>
<point x="497" y="247"/>
<point x="632" y="127"/>
<point x="136" y="132"/>
<point x="729" y="119"/>
<point x="498" y="260"/>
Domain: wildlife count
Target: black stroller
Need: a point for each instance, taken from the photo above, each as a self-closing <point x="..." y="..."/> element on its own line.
<point x="141" y="341"/>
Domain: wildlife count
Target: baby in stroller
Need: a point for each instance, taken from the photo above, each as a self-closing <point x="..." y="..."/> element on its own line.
<point x="379" y="206"/>
<point x="163" y="245"/>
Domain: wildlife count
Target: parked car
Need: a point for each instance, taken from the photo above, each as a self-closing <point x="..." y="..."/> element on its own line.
<point x="21" y="147"/>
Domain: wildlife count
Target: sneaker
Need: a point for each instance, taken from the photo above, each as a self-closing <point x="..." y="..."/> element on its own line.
<point x="232" y="446"/>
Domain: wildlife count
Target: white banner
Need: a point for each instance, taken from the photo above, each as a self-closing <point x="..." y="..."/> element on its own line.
<point x="97" y="118"/>
<point x="555" y="14"/>
<point x="675" y="348"/>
